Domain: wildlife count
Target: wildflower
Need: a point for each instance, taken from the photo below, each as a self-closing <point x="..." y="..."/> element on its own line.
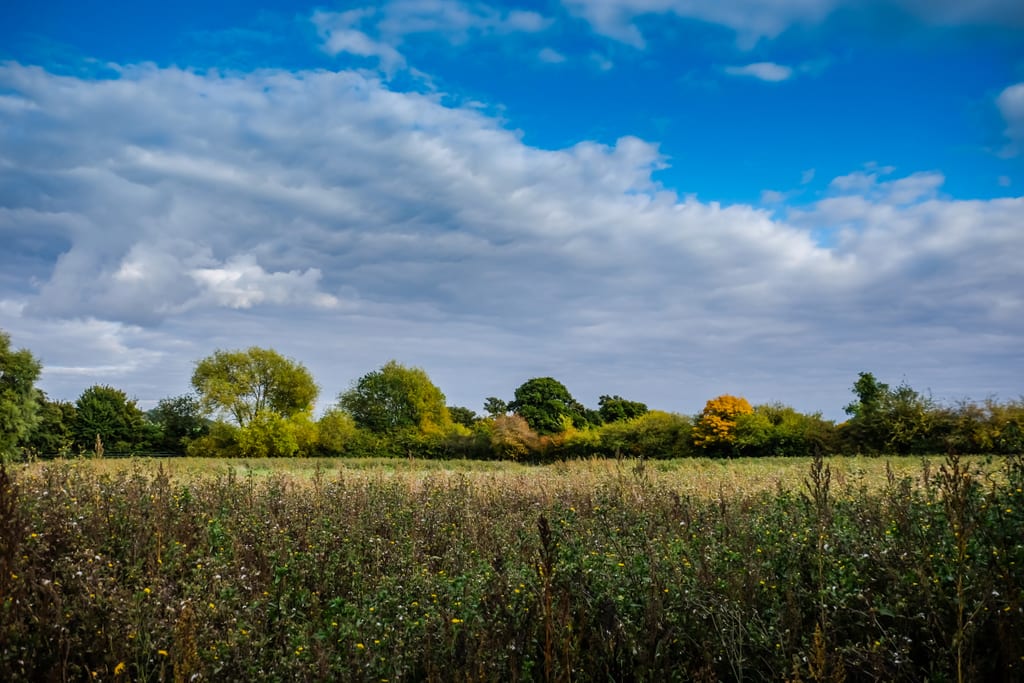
<point x="456" y="621"/>
<point x="119" y="669"/>
<point x="360" y="646"/>
<point x="162" y="653"/>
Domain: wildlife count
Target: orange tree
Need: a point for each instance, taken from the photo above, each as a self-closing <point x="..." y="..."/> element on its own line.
<point x="715" y="430"/>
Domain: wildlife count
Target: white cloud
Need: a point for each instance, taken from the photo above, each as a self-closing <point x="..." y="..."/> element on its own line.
<point x="345" y="223"/>
<point x="550" y="56"/>
<point x="378" y="31"/>
<point x="753" y="20"/>
<point x="1011" y="106"/>
<point x="765" y="71"/>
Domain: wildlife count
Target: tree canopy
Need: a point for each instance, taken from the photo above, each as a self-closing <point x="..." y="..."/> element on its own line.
<point x="716" y="425"/>
<point x="543" y="402"/>
<point x="242" y="384"/>
<point x="105" y="412"/>
<point x="615" y="408"/>
<point x="19" y="399"/>
<point x="395" y="398"/>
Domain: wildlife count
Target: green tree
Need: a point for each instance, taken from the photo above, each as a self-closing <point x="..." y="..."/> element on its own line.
<point x="774" y="429"/>
<point x="19" y="399"/>
<point x="616" y="408"/>
<point x="494" y="406"/>
<point x="179" y="420"/>
<point x="240" y="384"/>
<point x="52" y="435"/>
<point x="105" y="412"/>
<point x="543" y="401"/>
<point x="899" y="420"/>
<point x="338" y="433"/>
<point x="396" y="398"/>
<point x="462" y="416"/>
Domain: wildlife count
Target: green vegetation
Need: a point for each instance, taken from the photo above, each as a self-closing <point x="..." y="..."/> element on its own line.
<point x="255" y="403"/>
<point x="696" y="569"/>
<point x="19" y="400"/>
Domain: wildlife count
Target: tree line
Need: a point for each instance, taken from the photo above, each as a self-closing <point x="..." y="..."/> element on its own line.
<point x="257" y="403"/>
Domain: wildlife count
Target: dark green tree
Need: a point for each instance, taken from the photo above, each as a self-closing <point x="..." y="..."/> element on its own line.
<point x="494" y="406"/>
<point x="543" y="402"/>
<point x="52" y="435"/>
<point x="463" y="416"/>
<point x="615" y="408"/>
<point x="179" y="420"/>
<point x="396" y="398"/>
<point x="241" y="384"/>
<point x="105" y="412"/>
<point x="19" y="399"/>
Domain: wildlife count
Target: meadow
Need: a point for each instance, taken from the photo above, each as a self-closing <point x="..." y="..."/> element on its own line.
<point x="796" y="569"/>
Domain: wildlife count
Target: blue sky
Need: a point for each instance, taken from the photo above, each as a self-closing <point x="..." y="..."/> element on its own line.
<point x="661" y="199"/>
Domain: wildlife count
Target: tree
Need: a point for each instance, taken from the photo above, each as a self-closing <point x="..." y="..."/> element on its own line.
<point x="615" y="408"/>
<point x="462" y="416"/>
<point x="396" y="398"/>
<point x="179" y="420"/>
<point x="716" y="424"/>
<point x="106" y="413"/>
<point x="543" y="401"/>
<point x="494" y="406"/>
<point x="52" y="435"/>
<point x="241" y="384"/>
<point x="19" y="399"/>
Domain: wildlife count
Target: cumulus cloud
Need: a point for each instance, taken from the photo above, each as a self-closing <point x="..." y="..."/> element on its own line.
<point x="345" y="223"/>
<point x="765" y="71"/>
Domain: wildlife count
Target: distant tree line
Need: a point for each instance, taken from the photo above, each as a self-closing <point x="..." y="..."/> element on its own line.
<point x="258" y="403"/>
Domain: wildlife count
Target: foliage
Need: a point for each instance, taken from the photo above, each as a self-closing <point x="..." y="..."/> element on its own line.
<point x="242" y="384"/>
<point x="107" y="414"/>
<point x="513" y="439"/>
<point x="885" y="420"/>
<point x="494" y="406"/>
<point x="19" y="400"/>
<point x="774" y="430"/>
<point x="271" y="435"/>
<point x="716" y="425"/>
<point x="655" y="434"/>
<point x="337" y="432"/>
<point x="462" y="416"/>
<point x="52" y="435"/>
<point x="543" y="401"/>
<point x="145" y="576"/>
<point x="396" y="398"/>
<point x="179" y="420"/>
<point x="616" y="408"/>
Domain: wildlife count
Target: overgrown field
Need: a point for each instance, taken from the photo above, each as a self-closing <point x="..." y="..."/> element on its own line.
<point x="779" y="570"/>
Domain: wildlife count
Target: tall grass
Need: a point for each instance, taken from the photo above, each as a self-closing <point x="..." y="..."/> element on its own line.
<point x="583" y="571"/>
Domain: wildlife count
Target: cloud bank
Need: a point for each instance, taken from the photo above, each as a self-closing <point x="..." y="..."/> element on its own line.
<point x="155" y="215"/>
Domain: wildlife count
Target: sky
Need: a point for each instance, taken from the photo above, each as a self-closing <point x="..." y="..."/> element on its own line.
<point x="666" y="200"/>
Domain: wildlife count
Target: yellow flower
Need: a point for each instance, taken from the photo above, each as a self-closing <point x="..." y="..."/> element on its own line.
<point x="360" y="646"/>
<point x="119" y="669"/>
<point x="162" y="653"/>
<point x="456" y="621"/>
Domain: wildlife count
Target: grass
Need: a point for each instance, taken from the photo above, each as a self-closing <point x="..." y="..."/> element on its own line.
<point x="850" y="569"/>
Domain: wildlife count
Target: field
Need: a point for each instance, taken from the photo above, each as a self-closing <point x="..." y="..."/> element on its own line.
<point x="392" y="570"/>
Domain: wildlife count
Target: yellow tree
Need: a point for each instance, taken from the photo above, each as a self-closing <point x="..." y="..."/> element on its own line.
<point x="716" y="424"/>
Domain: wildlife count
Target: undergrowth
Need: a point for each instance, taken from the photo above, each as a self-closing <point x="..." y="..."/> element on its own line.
<point x="140" y="575"/>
